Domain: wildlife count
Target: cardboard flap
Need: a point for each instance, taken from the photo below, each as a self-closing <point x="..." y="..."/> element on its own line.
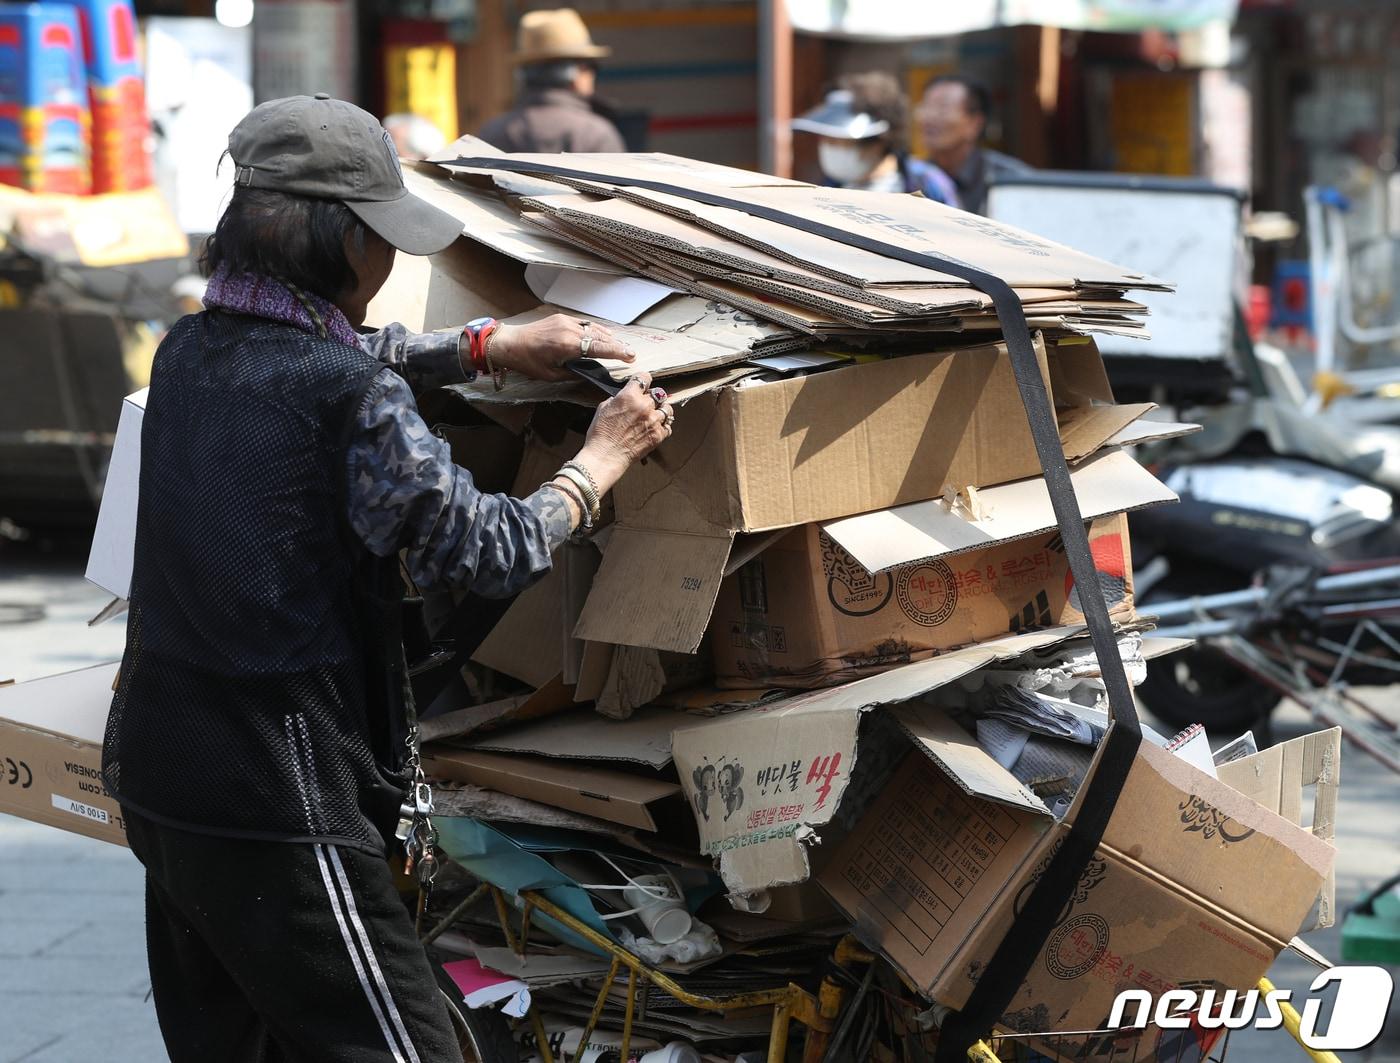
<point x="1077" y="373"/>
<point x="612" y="795"/>
<point x="1110" y="482"/>
<point x="1085" y="430"/>
<point x="527" y="643"/>
<point x="645" y="738"/>
<point x="1151" y="432"/>
<point x="1177" y="822"/>
<point x="1276" y="778"/>
<point x="655" y="588"/>
<point x="1154" y="646"/>
<point x="965" y="762"/>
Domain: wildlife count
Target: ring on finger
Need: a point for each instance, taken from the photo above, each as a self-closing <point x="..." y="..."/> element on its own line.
<point x="584" y="342"/>
<point x="667" y="417"/>
<point x="658" y="396"/>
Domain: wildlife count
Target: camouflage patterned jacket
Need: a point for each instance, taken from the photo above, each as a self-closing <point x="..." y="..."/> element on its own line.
<point x="404" y="491"/>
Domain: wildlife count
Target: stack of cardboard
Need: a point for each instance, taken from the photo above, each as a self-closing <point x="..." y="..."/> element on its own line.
<point x="766" y="679"/>
<point x="797" y="600"/>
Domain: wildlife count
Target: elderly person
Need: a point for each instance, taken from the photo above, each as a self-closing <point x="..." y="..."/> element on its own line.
<point x="558" y="70"/>
<point x="864" y="129"/>
<point x="953" y="117"/>
<point x="262" y="740"/>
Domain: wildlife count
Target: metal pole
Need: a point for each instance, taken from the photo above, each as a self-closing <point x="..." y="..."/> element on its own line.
<point x="774" y="88"/>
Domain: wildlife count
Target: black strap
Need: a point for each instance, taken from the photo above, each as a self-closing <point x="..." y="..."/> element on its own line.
<point x="1013" y="958"/>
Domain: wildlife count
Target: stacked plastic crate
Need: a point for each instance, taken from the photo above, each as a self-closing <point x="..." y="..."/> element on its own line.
<point x="117" y="94"/>
<point x="45" y="122"/>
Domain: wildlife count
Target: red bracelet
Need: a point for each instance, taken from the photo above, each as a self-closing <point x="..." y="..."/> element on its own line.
<point x="477" y="333"/>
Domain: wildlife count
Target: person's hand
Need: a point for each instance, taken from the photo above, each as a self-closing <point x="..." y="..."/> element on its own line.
<point x="539" y="349"/>
<point x="626" y="428"/>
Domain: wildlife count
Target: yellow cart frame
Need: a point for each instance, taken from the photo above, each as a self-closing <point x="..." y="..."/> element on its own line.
<point x="790" y="1003"/>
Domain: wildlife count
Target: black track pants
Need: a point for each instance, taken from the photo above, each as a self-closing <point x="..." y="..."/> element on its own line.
<point x="274" y="951"/>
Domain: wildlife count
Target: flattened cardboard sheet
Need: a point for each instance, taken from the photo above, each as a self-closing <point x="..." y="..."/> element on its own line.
<point x="644" y="738"/>
<point x="1110" y="482"/>
<point x="1020" y="258"/>
<point x="655" y="589"/>
<point x="611" y="795"/>
<point x="488" y="220"/>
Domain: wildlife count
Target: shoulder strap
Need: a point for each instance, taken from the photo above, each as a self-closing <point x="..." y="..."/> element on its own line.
<point x="1013" y="958"/>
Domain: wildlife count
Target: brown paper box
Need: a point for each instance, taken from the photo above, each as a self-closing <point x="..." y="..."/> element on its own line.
<point x="804" y="613"/>
<point x="51" y="752"/>
<point x="935" y="869"/>
<point x="843" y="441"/>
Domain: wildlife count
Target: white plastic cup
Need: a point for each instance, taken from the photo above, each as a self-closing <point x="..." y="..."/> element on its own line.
<point x="675" y="1052"/>
<point x="660" y="909"/>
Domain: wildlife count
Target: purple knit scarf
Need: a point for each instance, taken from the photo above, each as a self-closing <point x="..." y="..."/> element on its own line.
<point x="259" y="296"/>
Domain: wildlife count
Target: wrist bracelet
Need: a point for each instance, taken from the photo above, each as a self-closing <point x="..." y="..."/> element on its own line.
<point x="580" y="467"/>
<point x="479" y="333"/>
<point x="585" y="487"/>
<point x="498" y="375"/>
<point x="570" y="492"/>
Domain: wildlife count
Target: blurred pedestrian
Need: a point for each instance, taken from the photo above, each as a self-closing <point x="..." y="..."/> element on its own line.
<point x="953" y="117"/>
<point x="864" y="129"/>
<point x="414" y="136"/>
<point x="558" y="64"/>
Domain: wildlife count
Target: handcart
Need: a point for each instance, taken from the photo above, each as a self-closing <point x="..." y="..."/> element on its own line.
<point x="859" y="1010"/>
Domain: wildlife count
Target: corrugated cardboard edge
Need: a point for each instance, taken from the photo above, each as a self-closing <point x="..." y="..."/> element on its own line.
<point x="1309" y="760"/>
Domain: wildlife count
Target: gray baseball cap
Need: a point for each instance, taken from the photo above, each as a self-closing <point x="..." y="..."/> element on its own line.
<point x="329" y="149"/>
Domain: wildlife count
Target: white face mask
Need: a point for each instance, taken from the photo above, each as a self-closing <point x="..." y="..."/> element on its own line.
<point x="846" y="164"/>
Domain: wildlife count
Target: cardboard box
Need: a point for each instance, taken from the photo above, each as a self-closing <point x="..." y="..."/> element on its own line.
<point x="658" y="588"/>
<point x="1192" y="884"/>
<point x="804" y="613"/>
<point x="759" y="456"/>
<point x="114" y="538"/>
<point x="51" y="752"/>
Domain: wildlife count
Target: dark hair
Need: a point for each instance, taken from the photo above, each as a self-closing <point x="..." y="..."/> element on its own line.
<point x="979" y="100"/>
<point x="878" y="94"/>
<point x="296" y="239"/>
<point x="554" y="73"/>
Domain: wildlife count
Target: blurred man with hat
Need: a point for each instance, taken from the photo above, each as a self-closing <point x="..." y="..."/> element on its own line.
<point x="558" y="64"/>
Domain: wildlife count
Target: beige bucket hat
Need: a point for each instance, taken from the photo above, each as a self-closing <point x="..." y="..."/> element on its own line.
<point x="557" y="34"/>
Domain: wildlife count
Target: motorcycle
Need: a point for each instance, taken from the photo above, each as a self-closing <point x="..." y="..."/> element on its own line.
<point x="1283" y="562"/>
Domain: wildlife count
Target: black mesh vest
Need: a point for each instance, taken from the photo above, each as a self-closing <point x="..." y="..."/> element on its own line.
<point x="262" y="690"/>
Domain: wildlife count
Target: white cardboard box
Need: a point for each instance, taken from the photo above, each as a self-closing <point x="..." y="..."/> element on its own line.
<point x="114" y="541"/>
